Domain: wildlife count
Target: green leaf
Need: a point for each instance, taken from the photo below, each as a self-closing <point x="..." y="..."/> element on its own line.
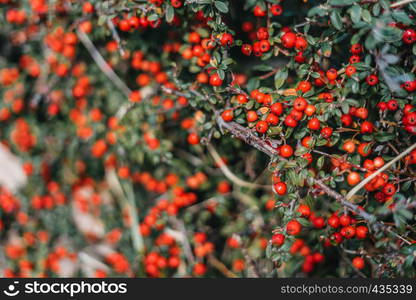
<point x="153" y="17"/>
<point x="341" y="2"/>
<point x="401" y="16"/>
<point x="355" y="13"/>
<point x="170" y="13"/>
<point x="336" y="19"/>
<point x="263" y="68"/>
<point x="221" y="6"/>
<point x="320" y="162"/>
<point x="253" y="84"/>
<point x="280" y="78"/>
<point x="326" y="49"/>
<point x="388" y="34"/>
<point x="366" y="15"/>
<point x="384" y="137"/>
<point x="221" y="73"/>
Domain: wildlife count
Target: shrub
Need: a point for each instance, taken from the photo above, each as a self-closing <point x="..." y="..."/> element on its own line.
<point x="210" y="138"/>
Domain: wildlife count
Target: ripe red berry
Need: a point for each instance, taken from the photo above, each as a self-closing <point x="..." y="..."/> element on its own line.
<point x="242" y="99"/>
<point x="409" y="36"/>
<point x="246" y="49"/>
<point x="300" y="104"/>
<point x="372" y="79"/>
<point x="353" y="178"/>
<point x="300" y="58"/>
<point x="278" y="239"/>
<point x="264" y="46"/>
<point x="226" y="39"/>
<point x="350" y="70"/>
<point x="314" y="124"/>
<point x="276" y="10"/>
<point x="304" y="86"/>
<point x="333" y="221"/>
<point x="358" y="262"/>
<point x="252" y="116"/>
<point x="389" y="189"/>
<point x="361" y="232"/>
<point x="293" y="227"/>
<point x="345" y="220"/>
<point x="227" y="115"/>
<point x="318" y="222"/>
<point x="331" y="74"/>
<point x="259" y="11"/>
<point x="193" y="139"/>
<point x="356" y="49"/>
<point x="301" y="44"/>
<point x="262" y="33"/>
<point x="326" y="132"/>
<point x="289" y="40"/>
<point x="262" y="126"/>
<point x="367" y="127"/>
<point x="392" y="105"/>
<point x="304" y="210"/>
<point x="215" y="80"/>
<point x="176" y="3"/>
<point x="277" y="108"/>
<point x="280" y="188"/>
<point x="286" y="151"/>
<point x="272" y="119"/>
<point x="354" y="59"/>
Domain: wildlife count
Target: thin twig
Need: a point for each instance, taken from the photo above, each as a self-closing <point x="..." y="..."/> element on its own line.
<point x="116" y="37"/>
<point x="251" y="263"/>
<point x="185" y="242"/>
<point x="102" y="64"/>
<point x="400" y="3"/>
<point x="220" y="267"/>
<point x="372" y="176"/>
<point x="130" y="205"/>
<point x="230" y="175"/>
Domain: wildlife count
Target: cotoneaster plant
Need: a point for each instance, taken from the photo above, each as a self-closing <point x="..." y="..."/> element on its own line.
<point x="182" y="138"/>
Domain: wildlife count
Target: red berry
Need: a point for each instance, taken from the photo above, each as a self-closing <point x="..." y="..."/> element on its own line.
<point x="226" y="39"/>
<point x="333" y="221"/>
<point x="314" y="124"/>
<point x="409" y="36"/>
<point x="350" y="70"/>
<point x="276" y="10"/>
<point x="286" y="151"/>
<point x="372" y="79"/>
<point x="262" y="33"/>
<point x="358" y="262"/>
<point x="289" y="40"/>
<point x="259" y="11"/>
<point x="356" y="49"/>
<point x="262" y="126"/>
<point x="301" y="43"/>
<point x="227" y="115"/>
<point x="278" y="239"/>
<point x="246" y="49"/>
<point x="280" y="188"/>
<point x="215" y="80"/>
<point x="361" y="232"/>
<point x="293" y="227"/>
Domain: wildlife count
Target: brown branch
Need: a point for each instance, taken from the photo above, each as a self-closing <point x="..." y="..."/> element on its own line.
<point x="220" y="267"/>
<point x="265" y="145"/>
<point x="116" y="37"/>
<point x="102" y="64"/>
<point x="251" y="263"/>
<point x="230" y="175"/>
<point x="400" y="3"/>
